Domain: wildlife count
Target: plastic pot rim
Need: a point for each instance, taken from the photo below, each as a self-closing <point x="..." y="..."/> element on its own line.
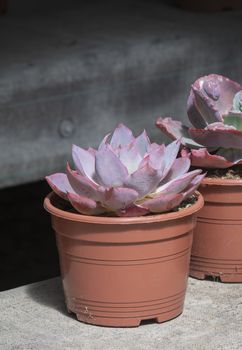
<point x="52" y="209"/>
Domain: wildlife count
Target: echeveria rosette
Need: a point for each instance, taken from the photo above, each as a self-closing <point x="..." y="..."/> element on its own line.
<point x="126" y="176"/>
<point x="214" y="109"/>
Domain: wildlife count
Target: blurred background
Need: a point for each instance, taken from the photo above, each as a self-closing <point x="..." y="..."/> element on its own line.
<point x="69" y="72"/>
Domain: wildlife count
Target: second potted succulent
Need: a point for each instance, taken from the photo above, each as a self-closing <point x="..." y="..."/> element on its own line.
<point x="124" y="221"/>
<point x="214" y="143"/>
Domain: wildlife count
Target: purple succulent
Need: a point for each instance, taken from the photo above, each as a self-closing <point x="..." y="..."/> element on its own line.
<point x="214" y="109"/>
<point x="127" y="176"/>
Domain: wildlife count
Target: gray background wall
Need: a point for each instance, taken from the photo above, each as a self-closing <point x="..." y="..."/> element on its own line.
<point x="71" y="70"/>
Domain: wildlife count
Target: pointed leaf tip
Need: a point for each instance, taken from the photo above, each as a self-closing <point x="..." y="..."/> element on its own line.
<point x="59" y="184"/>
<point x="122" y="136"/>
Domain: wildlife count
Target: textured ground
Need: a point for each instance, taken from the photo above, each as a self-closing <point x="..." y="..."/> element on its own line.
<point x="34" y="317"/>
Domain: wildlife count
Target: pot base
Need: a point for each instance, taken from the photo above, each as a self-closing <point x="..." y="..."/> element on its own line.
<point x="128" y="316"/>
<point x="132" y="322"/>
<point x="219" y="270"/>
<point x="228" y="278"/>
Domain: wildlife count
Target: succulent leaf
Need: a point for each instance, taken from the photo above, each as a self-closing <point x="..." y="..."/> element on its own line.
<point x="142" y="143"/>
<point x="59" y="184"/>
<point x="206" y="106"/>
<point x="194" y="115"/>
<point x="130" y="157"/>
<point x="144" y="180"/>
<point x="212" y="89"/>
<point x="214" y="108"/>
<point x="110" y="171"/>
<point x="234" y="119"/>
<point x="193" y="186"/>
<point x="170" y="156"/>
<point x="120" y="197"/>
<point x="178" y="184"/>
<point x="203" y="159"/>
<point x="163" y="202"/>
<point x="215" y="91"/>
<point x="220" y="126"/>
<point x="227" y="138"/>
<point x="104" y="142"/>
<point x="133" y="210"/>
<point x="176" y="131"/>
<point x="83" y="186"/>
<point x="178" y="168"/>
<point x="85" y="205"/>
<point x="237" y="102"/>
<point x="84" y="161"/>
<point x="232" y="155"/>
<point x="156" y="158"/>
<point x="122" y="136"/>
<point x="123" y="175"/>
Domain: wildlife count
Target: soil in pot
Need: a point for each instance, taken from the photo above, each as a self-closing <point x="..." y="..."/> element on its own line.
<point x="216" y="250"/>
<point x="120" y="271"/>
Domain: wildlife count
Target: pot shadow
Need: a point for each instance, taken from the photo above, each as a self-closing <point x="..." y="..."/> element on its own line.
<point x="49" y="293"/>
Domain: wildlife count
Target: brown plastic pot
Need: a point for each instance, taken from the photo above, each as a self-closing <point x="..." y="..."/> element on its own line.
<point x="217" y="243"/>
<point x="119" y="271"/>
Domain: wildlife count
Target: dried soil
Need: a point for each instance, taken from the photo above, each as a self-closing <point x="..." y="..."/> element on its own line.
<point x="233" y="173"/>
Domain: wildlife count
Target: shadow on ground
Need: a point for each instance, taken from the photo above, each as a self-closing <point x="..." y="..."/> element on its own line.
<point x="49" y="293"/>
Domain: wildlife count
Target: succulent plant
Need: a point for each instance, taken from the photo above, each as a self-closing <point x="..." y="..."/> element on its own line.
<point x="126" y="176"/>
<point x="214" y="108"/>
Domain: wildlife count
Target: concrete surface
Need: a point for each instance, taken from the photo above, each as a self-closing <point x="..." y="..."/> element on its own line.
<point x="34" y="317"/>
<point x="71" y="70"/>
